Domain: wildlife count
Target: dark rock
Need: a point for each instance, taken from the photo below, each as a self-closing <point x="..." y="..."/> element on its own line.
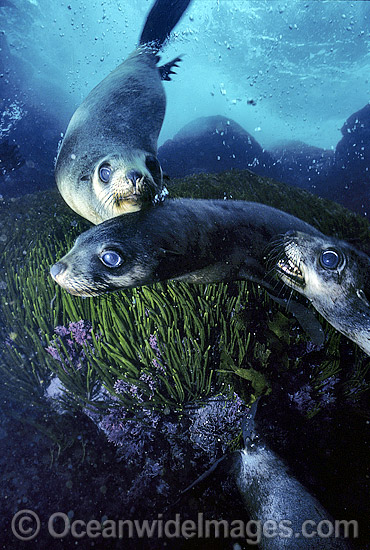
<point x="211" y="145"/>
<point x="217" y="144"/>
<point x="349" y="178"/>
<point x="33" y="115"/>
<point x="300" y="164"/>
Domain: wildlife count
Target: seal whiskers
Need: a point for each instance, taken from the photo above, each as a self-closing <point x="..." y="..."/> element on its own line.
<point x="333" y="275"/>
<point x="110" y="146"/>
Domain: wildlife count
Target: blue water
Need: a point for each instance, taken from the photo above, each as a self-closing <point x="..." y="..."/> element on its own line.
<point x="305" y="64"/>
<point x="290" y="71"/>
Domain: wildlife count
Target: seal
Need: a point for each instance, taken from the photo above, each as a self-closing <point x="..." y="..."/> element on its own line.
<point x="197" y="241"/>
<point x="333" y="275"/>
<point x="207" y="241"/>
<point x="273" y="497"/>
<point x="271" y="493"/>
<point x="107" y="163"/>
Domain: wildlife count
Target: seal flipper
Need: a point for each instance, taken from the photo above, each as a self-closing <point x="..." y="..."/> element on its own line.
<point x="219" y="468"/>
<point x="165" y="70"/>
<point x="160" y="21"/>
<point x="306" y="318"/>
<point x="248" y="424"/>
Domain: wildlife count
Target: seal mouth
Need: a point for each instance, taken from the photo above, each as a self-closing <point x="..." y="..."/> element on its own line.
<point x="77" y="289"/>
<point x="139" y="190"/>
<point x="136" y="196"/>
<point x="287" y="269"/>
<point x="82" y="293"/>
<point x="118" y="199"/>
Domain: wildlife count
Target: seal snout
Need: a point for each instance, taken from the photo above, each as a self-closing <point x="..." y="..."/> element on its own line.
<point x="134" y="176"/>
<point x="57" y="269"/>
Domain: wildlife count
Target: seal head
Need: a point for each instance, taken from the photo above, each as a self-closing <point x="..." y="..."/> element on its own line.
<point x="333" y="275"/>
<point x="103" y="262"/>
<point x="107" y="162"/>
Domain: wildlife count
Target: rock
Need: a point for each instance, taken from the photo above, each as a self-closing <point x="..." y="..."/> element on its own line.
<point x="298" y="163"/>
<point x="349" y="178"/>
<point x="212" y="145"/>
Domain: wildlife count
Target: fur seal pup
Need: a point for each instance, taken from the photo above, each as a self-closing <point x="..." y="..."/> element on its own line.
<point x="206" y="241"/>
<point x="333" y="275"/>
<point x="107" y="163"/>
<point x="285" y="515"/>
<point x="197" y="241"/>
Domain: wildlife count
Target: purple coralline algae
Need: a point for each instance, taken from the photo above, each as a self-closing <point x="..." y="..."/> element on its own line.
<point x="74" y="337"/>
<point x="153" y="342"/>
<point x="308" y="398"/>
<point x="217" y="423"/>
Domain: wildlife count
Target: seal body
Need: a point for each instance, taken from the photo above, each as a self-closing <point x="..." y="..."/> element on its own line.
<point x="333" y="275"/>
<point x="115" y="129"/>
<point x="287" y="515"/>
<point x="205" y="241"/>
<point x="197" y="241"/>
<point x="107" y="163"/>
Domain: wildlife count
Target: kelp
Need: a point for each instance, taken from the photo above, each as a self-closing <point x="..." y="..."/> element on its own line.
<point x="169" y="344"/>
<point x="189" y="324"/>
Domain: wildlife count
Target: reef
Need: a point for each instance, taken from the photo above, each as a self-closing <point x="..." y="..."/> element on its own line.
<point x="215" y="144"/>
<point x="302" y="165"/>
<point x="139" y="371"/>
<point x="349" y="176"/>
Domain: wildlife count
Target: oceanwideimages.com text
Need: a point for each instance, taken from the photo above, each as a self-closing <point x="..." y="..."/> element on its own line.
<point x="26" y="525"/>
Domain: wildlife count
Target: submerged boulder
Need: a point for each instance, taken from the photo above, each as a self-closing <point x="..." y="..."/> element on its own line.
<point x="212" y="145"/>
<point x="216" y="144"/>
<point x="349" y="177"/>
<point x="298" y="163"/>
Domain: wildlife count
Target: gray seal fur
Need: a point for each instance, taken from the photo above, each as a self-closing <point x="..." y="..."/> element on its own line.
<point x="341" y="293"/>
<point x="285" y="515"/>
<point x="280" y="504"/>
<point x="197" y="241"/>
<point x="116" y="129"/>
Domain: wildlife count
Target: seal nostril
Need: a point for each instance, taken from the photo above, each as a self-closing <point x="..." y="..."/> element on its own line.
<point x="133" y="176"/>
<point x="57" y="269"/>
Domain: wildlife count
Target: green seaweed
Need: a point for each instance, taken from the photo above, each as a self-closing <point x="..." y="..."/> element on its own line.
<point x="210" y="337"/>
<point x="187" y="321"/>
<point x="281" y="326"/>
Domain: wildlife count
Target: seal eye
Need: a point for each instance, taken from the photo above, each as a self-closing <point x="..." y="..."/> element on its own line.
<point x="329" y="259"/>
<point x="110" y="258"/>
<point x="153" y="165"/>
<point x="105" y="172"/>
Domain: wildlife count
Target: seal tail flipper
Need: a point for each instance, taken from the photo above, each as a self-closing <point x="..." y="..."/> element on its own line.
<point x="160" y="21"/>
<point x="219" y="468"/>
<point x="166" y="70"/>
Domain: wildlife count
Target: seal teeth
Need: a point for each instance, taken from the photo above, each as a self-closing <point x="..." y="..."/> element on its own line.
<point x="290" y="269"/>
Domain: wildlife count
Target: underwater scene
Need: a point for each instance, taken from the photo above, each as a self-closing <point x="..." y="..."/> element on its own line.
<point x="185" y="274"/>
